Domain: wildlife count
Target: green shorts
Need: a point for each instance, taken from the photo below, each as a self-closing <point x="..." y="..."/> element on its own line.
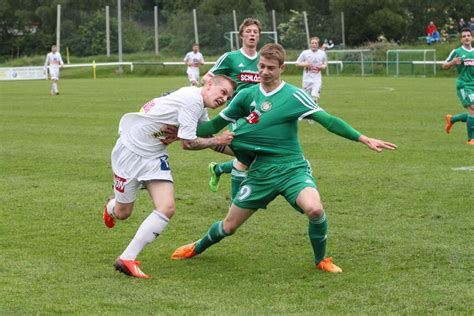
<point x="266" y="180"/>
<point x="466" y="95"/>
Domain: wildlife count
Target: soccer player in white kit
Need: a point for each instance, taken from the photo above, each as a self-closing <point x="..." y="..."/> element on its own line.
<point x="54" y="61"/>
<point x="140" y="158"/>
<point x="194" y="60"/>
<point x="313" y="61"/>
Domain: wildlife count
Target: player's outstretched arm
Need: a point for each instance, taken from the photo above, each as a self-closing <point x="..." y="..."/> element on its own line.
<point x="376" y="144"/>
<point x="336" y="125"/>
<point x="340" y="127"/>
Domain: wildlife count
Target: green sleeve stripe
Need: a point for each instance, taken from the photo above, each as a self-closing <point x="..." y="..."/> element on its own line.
<point x="451" y="56"/>
<point x="218" y="62"/>
<point x="304" y="99"/>
<point x="225" y="117"/>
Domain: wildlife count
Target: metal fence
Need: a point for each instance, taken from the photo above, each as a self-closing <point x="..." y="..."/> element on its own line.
<point x="172" y="33"/>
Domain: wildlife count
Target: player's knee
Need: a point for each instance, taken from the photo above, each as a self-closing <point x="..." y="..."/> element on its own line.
<point x="314" y="211"/>
<point x="168" y="209"/>
<point x="229" y="227"/>
<point x="123" y="211"/>
<point x="239" y="166"/>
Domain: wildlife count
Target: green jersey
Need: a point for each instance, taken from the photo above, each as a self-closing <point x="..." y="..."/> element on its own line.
<point x="465" y="68"/>
<point x="238" y="66"/>
<point x="266" y="124"/>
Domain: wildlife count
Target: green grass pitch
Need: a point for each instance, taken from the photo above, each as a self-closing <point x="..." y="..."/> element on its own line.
<point x="400" y="223"/>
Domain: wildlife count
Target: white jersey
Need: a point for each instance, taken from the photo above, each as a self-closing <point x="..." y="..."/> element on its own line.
<point x="317" y="58"/>
<point x="195" y="59"/>
<point x="141" y="132"/>
<point x="53" y="60"/>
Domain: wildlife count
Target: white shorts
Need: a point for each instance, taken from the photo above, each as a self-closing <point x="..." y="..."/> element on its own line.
<point x="54" y="73"/>
<point x="313" y="88"/>
<point x="193" y="75"/>
<point x="131" y="170"/>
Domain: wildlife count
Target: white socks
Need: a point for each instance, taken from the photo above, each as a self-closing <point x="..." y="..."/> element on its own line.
<point x="151" y="228"/>
<point x="110" y="208"/>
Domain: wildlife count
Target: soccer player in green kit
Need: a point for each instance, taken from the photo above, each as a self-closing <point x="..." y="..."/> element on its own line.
<point x="463" y="59"/>
<point x="242" y="66"/>
<point x="265" y="120"/>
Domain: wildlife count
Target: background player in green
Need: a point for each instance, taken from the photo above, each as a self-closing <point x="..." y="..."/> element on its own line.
<point x="240" y="65"/>
<point x="463" y="59"/>
<point x="265" y="120"/>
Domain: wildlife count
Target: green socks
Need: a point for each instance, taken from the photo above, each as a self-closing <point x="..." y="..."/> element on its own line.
<point x="462" y="117"/>
<point x="470" y="127"/>
<point x="225" y="167"/>
<point x="215" y="234"/>
<point x="317" y="231"/>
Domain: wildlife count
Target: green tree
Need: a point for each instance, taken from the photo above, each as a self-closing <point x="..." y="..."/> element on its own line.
<point x="366" y="20"/>
<point x="292" y="33"/>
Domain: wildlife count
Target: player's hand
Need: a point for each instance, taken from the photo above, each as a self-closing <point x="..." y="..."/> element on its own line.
<point x="225" y="138"/>
<point x="456" y="61"/>
<point x="170" y="133"/>
<point x="377" y="144"/>
<point x="315" y="69"/>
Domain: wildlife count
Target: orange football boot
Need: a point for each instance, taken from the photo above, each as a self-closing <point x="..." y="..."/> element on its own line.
<point x="130" y="267"/>
<point x="327" y="265"/>
<point x="449" y="125"/>
<point x="184" y="252"/>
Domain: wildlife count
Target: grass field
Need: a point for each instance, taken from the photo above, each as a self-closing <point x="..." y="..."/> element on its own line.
<point x="401" y="222"/>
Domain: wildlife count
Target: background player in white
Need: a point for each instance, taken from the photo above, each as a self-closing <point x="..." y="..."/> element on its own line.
<point x="313" y="61"/>
<point x="194" y="60"/>
<point x="54" y="61"/>
<point x="140" y="158"/>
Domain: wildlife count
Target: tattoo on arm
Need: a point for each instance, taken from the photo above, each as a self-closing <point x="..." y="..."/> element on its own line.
<point x="199" y="143"/>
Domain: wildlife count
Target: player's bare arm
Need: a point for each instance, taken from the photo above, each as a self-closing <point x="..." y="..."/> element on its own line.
<point x="201" y="143"/>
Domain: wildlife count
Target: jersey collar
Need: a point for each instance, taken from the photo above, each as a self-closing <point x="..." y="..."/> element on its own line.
<point x="249" y="57"/>
<point x="467" y="50"/>
<point x="268" y="94"/>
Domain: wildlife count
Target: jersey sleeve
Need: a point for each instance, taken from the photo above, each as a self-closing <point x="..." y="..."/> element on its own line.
<point x="301" y="58"/>
<point x="204" y="116"/>
<point x="451" y="56"/>
<point x="336" y="125"/>
<point x="325" y="59"/>
<point x="61" y="60"/>
<point x="239" y="107"/>
<point x="304" y="105"/>
<point x="221" y="67"/>
<point x="188" y="119"/>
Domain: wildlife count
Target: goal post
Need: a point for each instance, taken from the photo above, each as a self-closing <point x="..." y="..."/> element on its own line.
<point x="410" y="62"/>
<point x="354" y="60"/>
<point x="265" y="37"/>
